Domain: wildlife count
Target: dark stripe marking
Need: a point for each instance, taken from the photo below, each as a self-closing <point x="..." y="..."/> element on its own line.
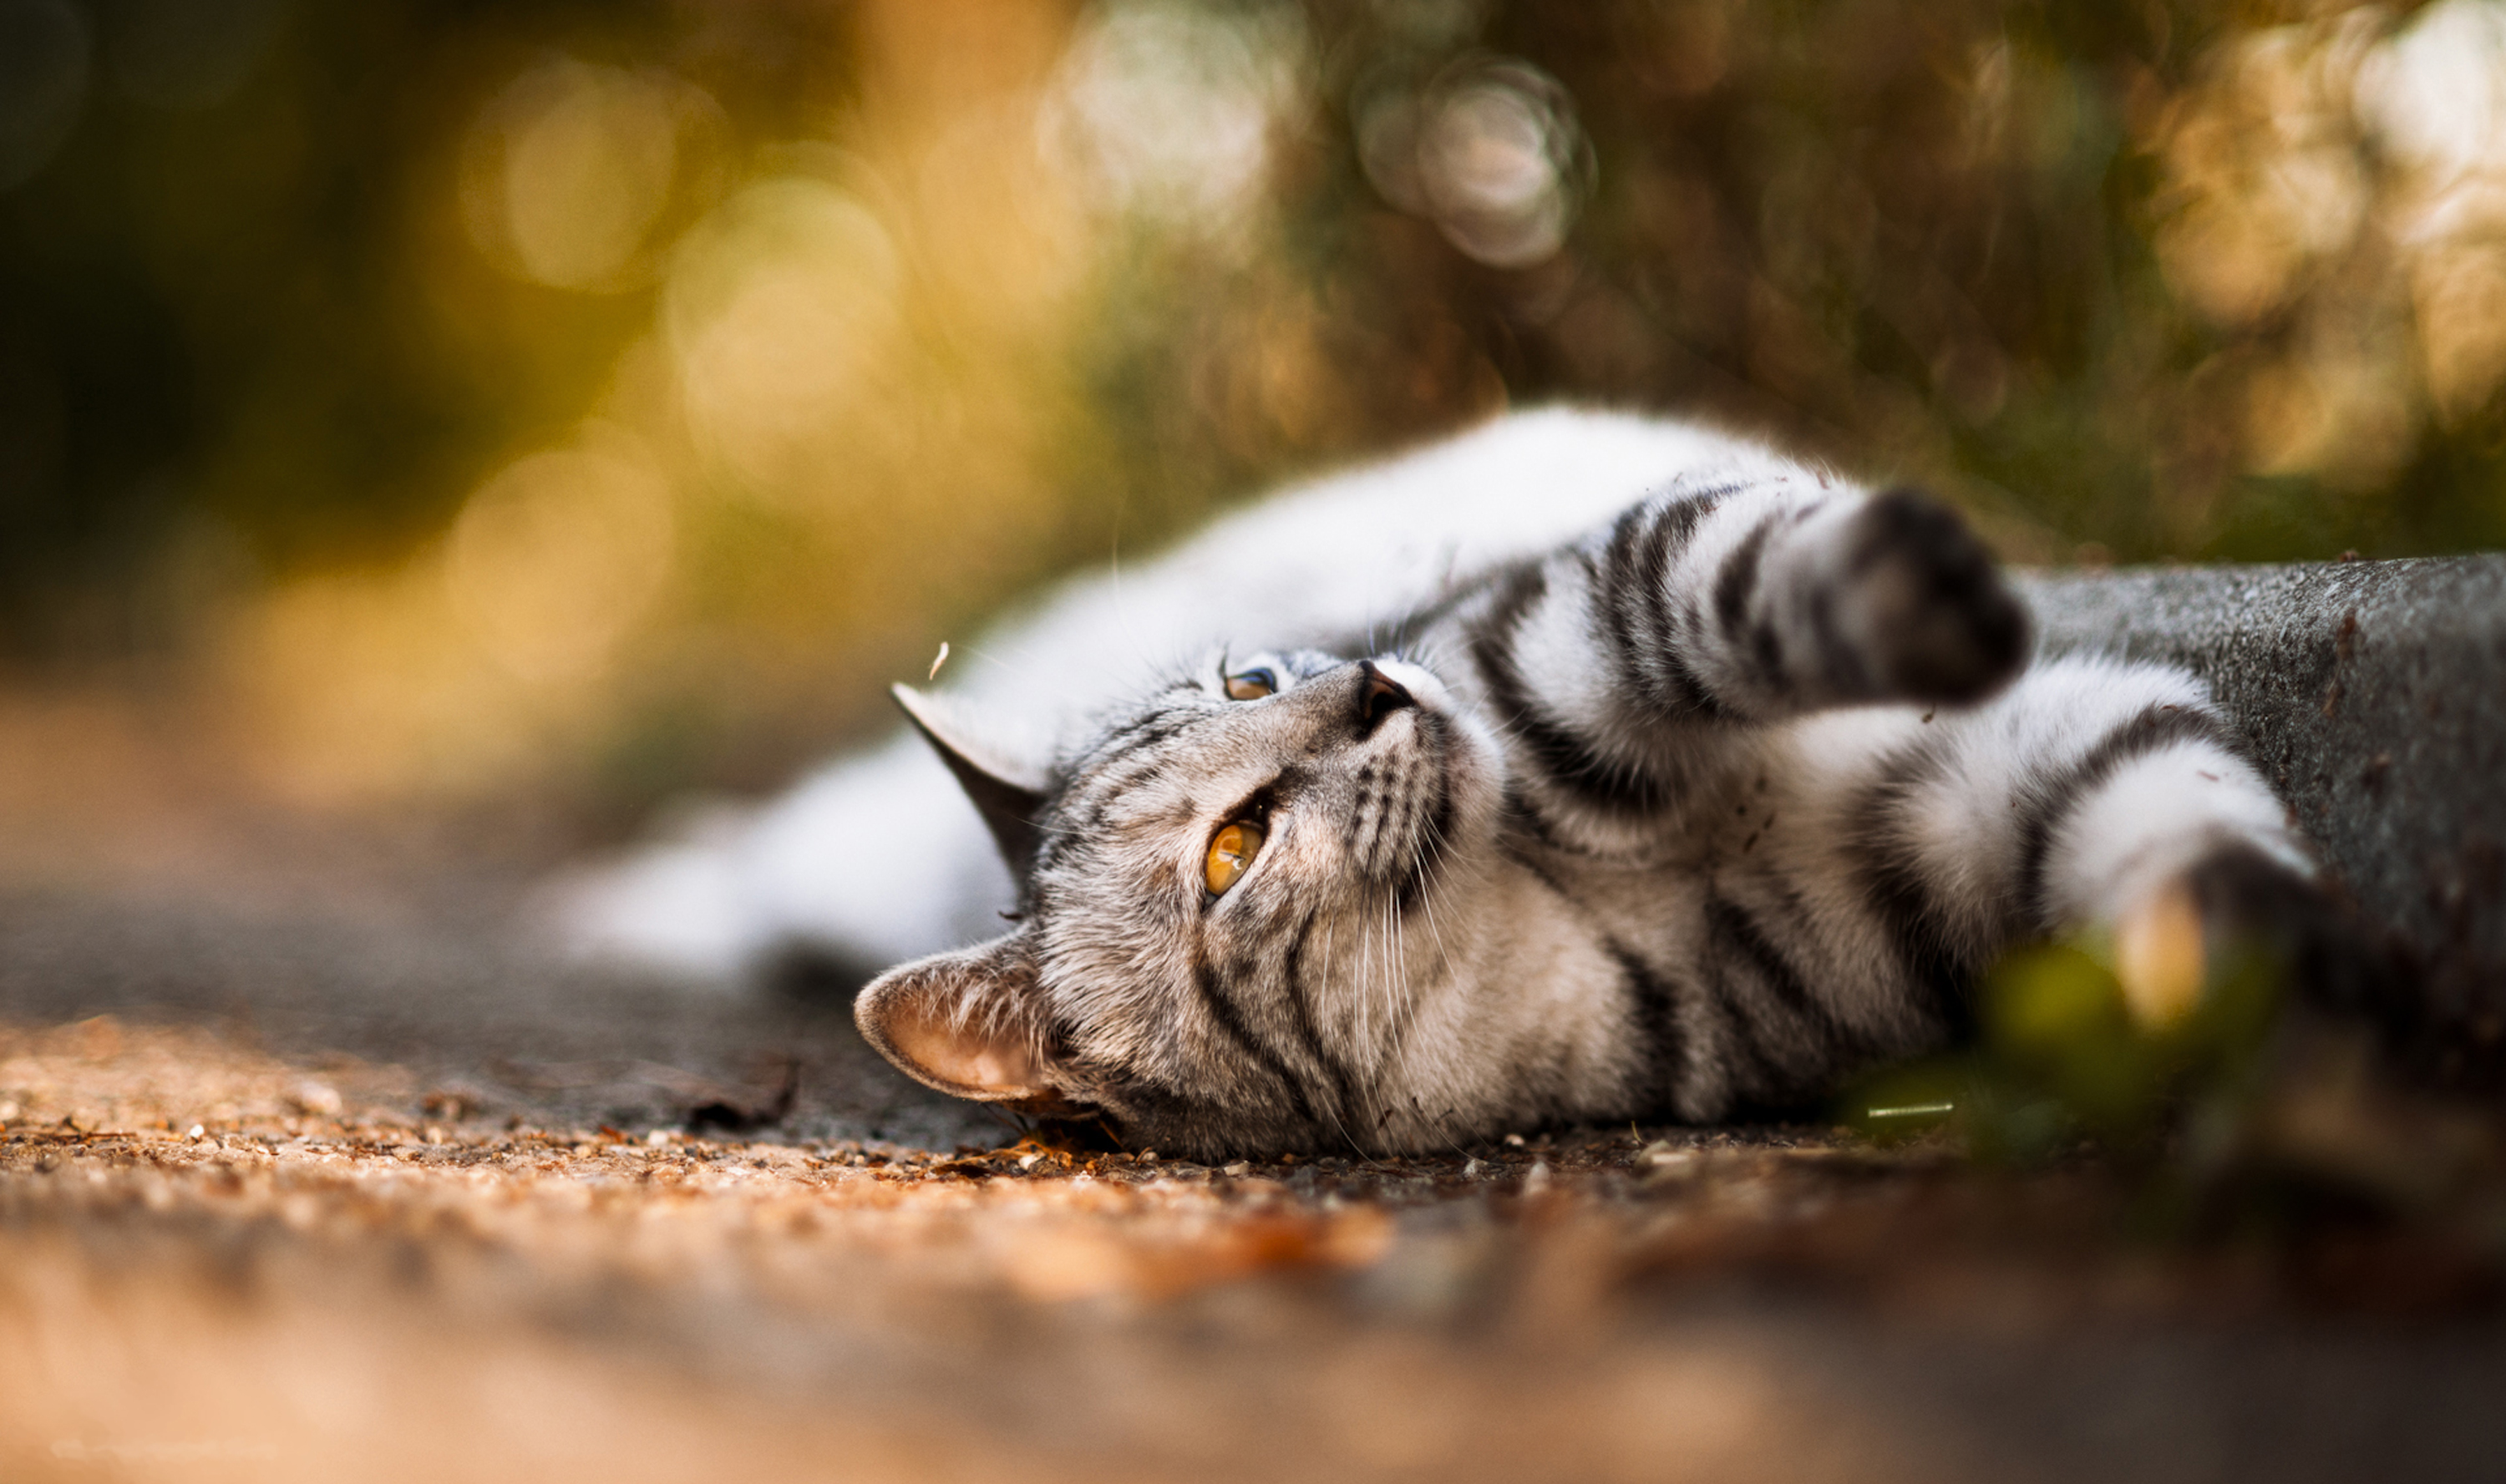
<point x="1657" y="1020"/>
<point x="1751" y="1066"/>
<point x="1737" y="581"/>
<point x="2152" y="729"/>
<point x="1223" y="1014"/>
<point x="1301" y="1011"/>
<point x="1936" y="968"/>
<point x="1735" y="926"/>
<point x="1557" y="751"/>
<point x="1675" y="530"/>
<point x="1731" y="923"/>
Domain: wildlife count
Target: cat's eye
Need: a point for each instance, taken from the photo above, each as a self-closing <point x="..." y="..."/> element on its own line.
<point x="1231" y="856"/>
<point x="1251" y="685"/>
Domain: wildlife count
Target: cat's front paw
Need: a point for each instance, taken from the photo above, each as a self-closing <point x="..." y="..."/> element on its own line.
<point x="1922" y="594"/>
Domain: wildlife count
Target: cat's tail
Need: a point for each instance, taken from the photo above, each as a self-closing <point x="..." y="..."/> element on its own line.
<point x="872" y="861"/>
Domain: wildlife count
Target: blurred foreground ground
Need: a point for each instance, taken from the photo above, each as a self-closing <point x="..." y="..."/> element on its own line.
<point x="455" y="1211"/>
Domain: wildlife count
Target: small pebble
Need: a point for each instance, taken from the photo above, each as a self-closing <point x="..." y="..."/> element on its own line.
<point x="194" y="1132"/>
<point x="1239" y="1167"/>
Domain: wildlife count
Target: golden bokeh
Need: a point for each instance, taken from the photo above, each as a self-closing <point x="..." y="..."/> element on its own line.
<point x="646" y="384"/>
<point x="568" y="172"/>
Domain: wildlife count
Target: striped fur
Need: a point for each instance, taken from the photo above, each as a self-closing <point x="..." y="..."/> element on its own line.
<point x="1700" y="814"/>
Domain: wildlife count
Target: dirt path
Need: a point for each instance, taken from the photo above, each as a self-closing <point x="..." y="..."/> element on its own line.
<point x="216" y="1262"/>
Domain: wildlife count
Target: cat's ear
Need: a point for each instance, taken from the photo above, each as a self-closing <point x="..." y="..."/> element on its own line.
<point x="1008" y="792"/>
<point x="970" y="1023"/>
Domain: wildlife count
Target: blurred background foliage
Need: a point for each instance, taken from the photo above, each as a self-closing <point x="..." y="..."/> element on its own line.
<point x="440" y="399"/>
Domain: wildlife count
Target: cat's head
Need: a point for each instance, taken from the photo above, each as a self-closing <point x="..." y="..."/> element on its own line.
<point x="1233" y="898"/>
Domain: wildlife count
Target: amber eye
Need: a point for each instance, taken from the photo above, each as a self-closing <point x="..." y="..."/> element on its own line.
<point x="1251" y="685"/>
<point x="1231" y="856"/>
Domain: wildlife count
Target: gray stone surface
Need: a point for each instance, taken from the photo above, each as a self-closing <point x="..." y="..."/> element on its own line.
<point x="2374" y="695"/>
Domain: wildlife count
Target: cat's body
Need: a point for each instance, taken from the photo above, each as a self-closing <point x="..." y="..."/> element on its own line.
<point x="1729" y="797"/>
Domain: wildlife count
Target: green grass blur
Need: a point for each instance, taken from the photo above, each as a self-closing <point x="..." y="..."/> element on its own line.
<point x="2059" y="1062"/>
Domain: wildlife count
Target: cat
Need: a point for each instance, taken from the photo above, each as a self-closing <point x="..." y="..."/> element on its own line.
<point x="1700" y="810"/>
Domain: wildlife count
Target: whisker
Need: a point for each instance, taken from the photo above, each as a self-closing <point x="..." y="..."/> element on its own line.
<point x="1361" y="1000"/>
<point x="1401" y="1005"/>
<point x="1437" y="1122"/>
<point x="1407" y="1012"/>
<point x="1331" y="1104"/>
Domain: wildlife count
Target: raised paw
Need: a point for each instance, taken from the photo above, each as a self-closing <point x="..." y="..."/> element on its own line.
<point x="1935" y="621"/>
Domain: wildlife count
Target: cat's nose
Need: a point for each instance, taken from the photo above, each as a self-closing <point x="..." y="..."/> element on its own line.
<point x="1378" y="695"/>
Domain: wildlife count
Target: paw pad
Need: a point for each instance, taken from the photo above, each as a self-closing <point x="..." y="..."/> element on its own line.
<point x="1941" y="626"/>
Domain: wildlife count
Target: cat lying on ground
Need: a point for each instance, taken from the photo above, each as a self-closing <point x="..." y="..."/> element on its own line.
<point x="1583" y="769"/>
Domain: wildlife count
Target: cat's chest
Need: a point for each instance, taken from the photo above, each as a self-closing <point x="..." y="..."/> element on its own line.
<point x="1653" y="888"/>
<point x="1766" y="822"/>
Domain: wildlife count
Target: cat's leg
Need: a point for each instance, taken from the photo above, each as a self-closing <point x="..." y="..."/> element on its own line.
<point x="1626" y="668"/>
<point x="2108" y="795"/>
<point x="1755" y="600"/>
<point x="1791" y="602"/>
<point x="2159" y="832"/>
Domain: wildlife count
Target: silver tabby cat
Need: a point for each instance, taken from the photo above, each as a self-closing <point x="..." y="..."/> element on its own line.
<point x="1702" y="812"/>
